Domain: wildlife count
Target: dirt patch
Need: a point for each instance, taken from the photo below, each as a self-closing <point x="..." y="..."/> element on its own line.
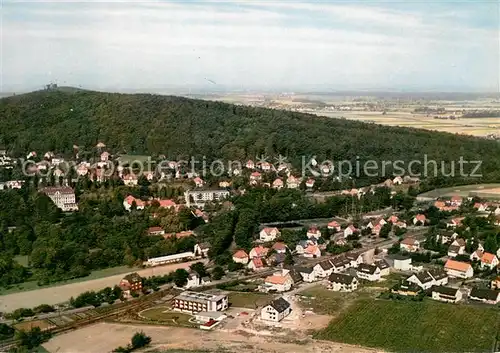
<point x="60" y="294"/>
<point x="105" y="337"/>
<point x="28" y="325"/>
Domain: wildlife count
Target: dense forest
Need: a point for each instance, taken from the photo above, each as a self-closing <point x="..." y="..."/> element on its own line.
<point x="181" y="127"/>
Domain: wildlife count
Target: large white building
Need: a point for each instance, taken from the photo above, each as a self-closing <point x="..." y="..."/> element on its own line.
<point x="195" y="302"/>
<point x="198" y="198"/>
<point x="63" y="197"/>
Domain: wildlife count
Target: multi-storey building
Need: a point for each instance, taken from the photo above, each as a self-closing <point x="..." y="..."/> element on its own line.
<point x="63" y="197"/>
<point x="198" y="198"/>
<point x="195" y="302"/>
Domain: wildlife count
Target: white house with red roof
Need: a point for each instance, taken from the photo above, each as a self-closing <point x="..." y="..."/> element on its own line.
<point x="393" y="219"/>
<point x="250" y="164"/>
<point x="292" y="182"/>
<point x="198" y="182"/>
<point x="481" y="207"/>
<point x="313" y="232"/>
<point x="312" y="251"/>
<point x="400" y="224"/>
<point x="456" y="201"/>
<point x="489" y="260"/>
<point x="397" y="180"/>
<point x="376" y="230"/>
<point x="155" y="231"/>
<point x="130" y="179"/>
<point x="104" y="157"/>
<point x="278" y="184"/>
<point x="279" y="247"/>
<point x="376" y="222"/>
<point x="129" y="201"/>
<point x="258" y="251"/>
<point x="269" y="234"/>
<point x="455" y="222"/>
<point x="265" y="166"/>
<point x="350" y="230"/>
<point x="280" y="281"/>
<point x="310" y="183"/>
<point x="256" y="264"/>
<point x="334" y="225"/>
<point x="241" y="257"/>
<point x="420" y="218"/>
<point x="255" y="177"/>
<point x="410" y="244"/>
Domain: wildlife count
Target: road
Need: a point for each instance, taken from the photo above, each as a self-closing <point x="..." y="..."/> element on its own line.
<point x="61" y="294"/>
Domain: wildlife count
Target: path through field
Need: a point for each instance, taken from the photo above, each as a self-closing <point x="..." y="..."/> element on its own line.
<point x="60" y="294"/>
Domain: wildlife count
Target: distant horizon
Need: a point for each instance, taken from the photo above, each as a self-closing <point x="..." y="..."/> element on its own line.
<point x="151" y="45"/>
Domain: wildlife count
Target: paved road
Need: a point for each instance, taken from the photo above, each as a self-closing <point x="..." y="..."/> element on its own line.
<point x="60" y="294"/>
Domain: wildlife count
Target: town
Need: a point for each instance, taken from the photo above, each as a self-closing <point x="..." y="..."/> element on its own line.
<point x="386" y="241"/>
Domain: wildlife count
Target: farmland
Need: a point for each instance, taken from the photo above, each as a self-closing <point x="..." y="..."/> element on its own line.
<point x="481" y="190"/>
<point x="425" y="326"/>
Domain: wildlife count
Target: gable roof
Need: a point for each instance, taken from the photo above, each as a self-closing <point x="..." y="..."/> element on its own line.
<point x="325" y="265"/>
<point x="240" y="254"/>
<point x="484" y="293"/>
<point x="279" y="246"/>
<point x="257" y="262"/>
<point x="275" y="279"/>
<point x="437" y="273"/>
<point x="410" y="241"/>
<point x="365" y="268"/>
<point x="133" y="277"/>
<point x="488" y="258"/>
<point x="341" y="278"/>
<point x="382" y="264"/>
<point x="457" y="265"/>
<point x="424" y="277"/>
<point x="280" y="304"/>
<point x="307" y="270"/>
<point x="446" y="290"/>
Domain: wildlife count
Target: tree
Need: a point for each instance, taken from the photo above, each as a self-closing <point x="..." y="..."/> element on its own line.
<point x="491" y="244"/>
<point x="288" y="259"/>
<point x="217" y="273"/>
<point x="385" y="230"/>
<point x="139" y="340"/>
<point x="180" y="277"/>
<point x="33" y="338"/>
<point x="199" y="268"/>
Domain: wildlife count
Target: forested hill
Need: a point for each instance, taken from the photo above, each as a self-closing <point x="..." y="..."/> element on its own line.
<point x="180" y="127"/>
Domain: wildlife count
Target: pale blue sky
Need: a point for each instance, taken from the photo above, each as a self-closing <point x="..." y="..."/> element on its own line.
<point x="284" y="45"/>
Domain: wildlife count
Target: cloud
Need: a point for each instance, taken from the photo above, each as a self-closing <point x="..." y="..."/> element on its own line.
<point x="244" y="45"/>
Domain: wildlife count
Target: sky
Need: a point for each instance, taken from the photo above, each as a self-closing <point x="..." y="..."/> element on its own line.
<point x="251" y="45"/>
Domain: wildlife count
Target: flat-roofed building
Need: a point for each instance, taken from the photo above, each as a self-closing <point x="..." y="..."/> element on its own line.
<point x="195" y="302"/>
<point x="198" y="198"/>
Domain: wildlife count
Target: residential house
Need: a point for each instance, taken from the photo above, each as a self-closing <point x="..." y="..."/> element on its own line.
<point x="456" y="201"/>
<point x="155" y="231"/>
<point x="458" y="269"/>
<point x="457" y="247"/>
<point x="447" y="236"/>
<point x="312" y="251"/>
<point x="313" y="232"/>
<point x="250" y="164"/>
<point x="393" y="219"/>
<point x="397" y="180"/>
<point x="385" y="268"/>
<point x="276" y="310"/>
<point x="296" y="276"/>
<point x="489" y="260"/>
<point x="278" y="184"/>
<point x="376" y="230"/>
<point x="428" y="278"/>
<point x="303" y="244"/>
<point x="265" y="166"/>
<point x="198" y="182"/>
<point x="446" y="294"/>
<point x="334" y="225"/>
<point x="481" y="207"/>
<point x="131" y="283"/>
<point x="307" y="273"/>
<point x="354" y="257"/>
<point x="195" y="302"/>
<point x="400" y="224"/>
<point x="292" y="182"/>
<point x="256" y="264"/>
<point x="201" y="249"/>
<point x="269" y="234"/>
<point x="488" y="296"/>
<point x="323" y="269"/>
<point x="224" y="184"/>
<point x="255" y="178"/>
<point x="279" y="247"/>
<point x="193" y="280"/>
<point x="130" y="179"/>
<point x="368" y="272"/>
<point x="374" y="223"/>
<point x="279" y="281"/>
<point x="309" y="183"/>
<point x="410" y="244"/>
<point x="406" y="288"/>
<point x="276" y="259"/>
<point x="340" y="263"/>
<point x="419" y="219"/>
<point x="258" y="251"/>
<point x="350" y="230"/>
<point x="402" y="263"/>
<point x="455" y="222"/>
<point x="240" y="257"/>
<point x="495" y="284"/>
<point x="342" y="283"/>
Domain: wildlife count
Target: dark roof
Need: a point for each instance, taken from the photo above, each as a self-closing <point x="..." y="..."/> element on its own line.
<point x="382" y="264"/>
<point x="296" y="276"/>
<point x="341" y="278"/>
<point x="340" y="261"/>
<point x="279" y="257"/>
<point x="352" y="255"/>
<point x="325" y="265"/>
<point x="437" y="273"/>
<point x="400" y="257"/>
<point x="304" y="269"/>
<point x="133" y="277"/>
<point x="454" y="248"/>
<point x="484" y="293"/>
<point x="280" y="304"/>
<point x="409" y="286"/>
<point x="446" y="290"/>
<point x="205" y="279"/>
<point x="424" y="277"/>
<point x="365" y="268"/>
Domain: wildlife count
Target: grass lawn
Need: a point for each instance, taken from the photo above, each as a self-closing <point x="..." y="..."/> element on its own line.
<point x="248" y="300"/>
<point x="326" y="302"/>
<point x="32" y="285"/>
<point x="426" y="326"/>
<point x="164" y="315"/>
<point x="386" y="282"/>
<point x="463" y="190"/>
<point x="28" y="325"/>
